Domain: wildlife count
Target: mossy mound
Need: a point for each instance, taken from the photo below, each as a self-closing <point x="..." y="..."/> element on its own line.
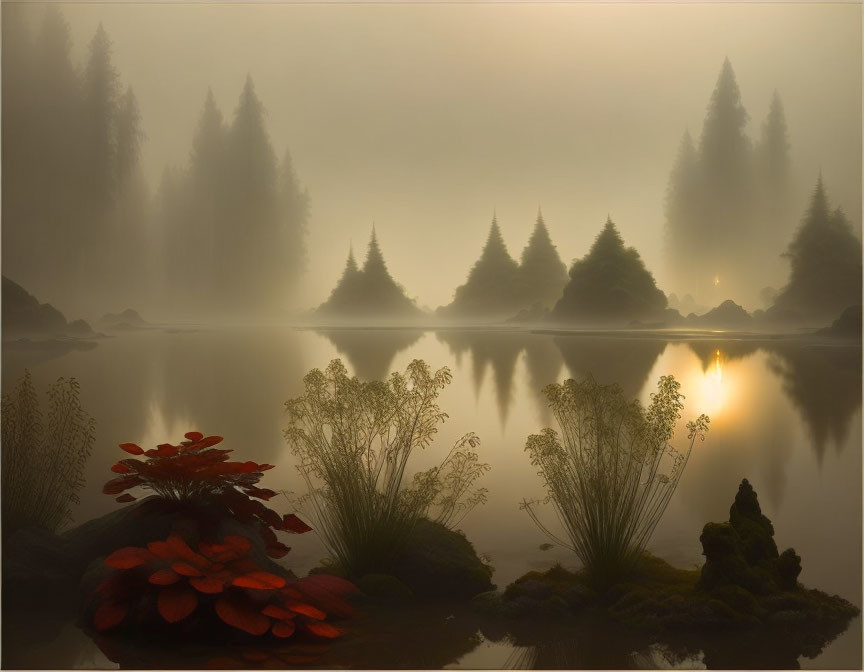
<point x="436" y="563"/>
<point x="442" y="563"/>
<point x="744" y="583"/>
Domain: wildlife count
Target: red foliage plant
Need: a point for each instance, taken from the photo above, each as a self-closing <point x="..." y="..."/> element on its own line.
<point x="241" y="593"/>
<point x="195" y="469"/>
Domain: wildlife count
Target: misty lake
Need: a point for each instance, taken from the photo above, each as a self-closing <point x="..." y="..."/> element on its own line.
<point x="785" y="414"/>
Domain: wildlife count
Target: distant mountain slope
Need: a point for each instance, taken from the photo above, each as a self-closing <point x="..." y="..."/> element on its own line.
<point x="24" y="316"/>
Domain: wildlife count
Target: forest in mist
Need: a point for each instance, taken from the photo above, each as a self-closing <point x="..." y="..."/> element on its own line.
<point x="231" y="226"/>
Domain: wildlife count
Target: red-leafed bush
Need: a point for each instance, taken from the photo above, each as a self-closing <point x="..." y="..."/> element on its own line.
<point x="222" y="578"/>
<point x="194" y="469"/>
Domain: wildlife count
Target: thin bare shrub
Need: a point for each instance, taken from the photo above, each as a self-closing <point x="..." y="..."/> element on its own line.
<point x="354" y="441"/>
<point x="43" y="459"/>
<point x="611" y="471"/>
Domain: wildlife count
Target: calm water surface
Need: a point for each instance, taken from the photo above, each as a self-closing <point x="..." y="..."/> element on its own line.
<point x="784" y="414"/>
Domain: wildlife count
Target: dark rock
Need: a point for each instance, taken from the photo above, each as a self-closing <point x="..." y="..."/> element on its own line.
<point x="440" y="563"/>
<point x="753" y="528"/>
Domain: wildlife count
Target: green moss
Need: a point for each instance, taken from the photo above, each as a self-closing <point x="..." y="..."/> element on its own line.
<point x="440" y="563"/>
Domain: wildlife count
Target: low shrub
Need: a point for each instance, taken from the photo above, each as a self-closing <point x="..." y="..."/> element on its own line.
<point x="194" y="469"/>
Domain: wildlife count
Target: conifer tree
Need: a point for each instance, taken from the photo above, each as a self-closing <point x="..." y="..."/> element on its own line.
<point x="370" y="293"/>
<point x="491" y="289"/>
<point x="610" y="284"/>
<point x="542" y="274"/>
<point x="343" y="299"/>
<point x="825" y="260"/>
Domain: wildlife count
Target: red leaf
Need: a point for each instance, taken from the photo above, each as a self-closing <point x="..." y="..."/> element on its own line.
<point x="335" y="584"/>
<point x="218" y="552"/>
<point x="161" y="549"/>
<point x="335" y="606"/>
<point x="121" y="468"/>
<point x="277" y="550"/>
<point x="242" y="617"/>
<point x="181" y="549"/>
<point x="305" y="609"/>
<point x="117" y="485"/>
<point x="123" y="499"/>
<point x="259" y="581"/>
<point x="292" y="593"/>
<point x="265" y="467"/>
<point x="278" y="613"/>
<point x="260" y="493"/>
<point x="283" y="628"/>
<point x="324" y="630"/>
<point x="163" y="450"/>
<point x="194" y="436"/>
<point x="133" y="448"/>
<point x="185" y="568"/>
<point x="207" y="584"/>
<point x="291" y="523"/>
<point x="128" y="557"/>
<point x="109" y="614"/>
<point x="209" y="441"/>
<point x="241" y="544"/>
<point x="164" y="577"/>
<point x="176" y="603"/>
<point x="255" y="656"/>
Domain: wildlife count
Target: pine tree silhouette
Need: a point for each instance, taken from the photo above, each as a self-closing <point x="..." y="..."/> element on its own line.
<point x="825" y="259"/>
<point x="370" y="293"/>
<point x="610" y="284"/>
<point x="542" y="274"/>
<point x="491" y="289"/>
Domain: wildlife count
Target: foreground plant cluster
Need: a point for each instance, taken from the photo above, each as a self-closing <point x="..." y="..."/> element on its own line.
<point x="195" y="561"/>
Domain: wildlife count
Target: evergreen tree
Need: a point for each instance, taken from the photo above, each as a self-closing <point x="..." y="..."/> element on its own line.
<point x="825" y="260"/>
<point x="343" y="299"/>
<point x="295" y="214"/>
<point x="101" y="95"/>
<point x="542" y="274"/>
<point x="683" y="215"/>
<point x="491" y="289"/>
<point x="370" y="293"/>
<point x="610" y="284"/>
<point x="128" y="138"/>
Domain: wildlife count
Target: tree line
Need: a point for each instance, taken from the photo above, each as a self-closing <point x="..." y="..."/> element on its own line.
<point x="223" y="235"/>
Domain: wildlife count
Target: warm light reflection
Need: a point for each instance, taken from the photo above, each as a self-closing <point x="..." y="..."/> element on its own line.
<point x="716" y="280"/>
<point x="713" y="390"/>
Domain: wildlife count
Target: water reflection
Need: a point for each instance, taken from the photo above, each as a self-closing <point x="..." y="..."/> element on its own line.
<point x="371" y="351"/>
<point x="625" y="361"/>
<point x="824" y="383"/>
<point x="498" y="350"/>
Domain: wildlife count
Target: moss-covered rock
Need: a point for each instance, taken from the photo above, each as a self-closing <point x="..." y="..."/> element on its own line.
<point x="742" y="552"/>
<point x="442" y="563"/>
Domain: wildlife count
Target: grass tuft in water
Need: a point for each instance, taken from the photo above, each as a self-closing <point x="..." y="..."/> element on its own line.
<point x="611" y="471"/>
<point x="354" y="441"/>
<point x="43" y="458"/>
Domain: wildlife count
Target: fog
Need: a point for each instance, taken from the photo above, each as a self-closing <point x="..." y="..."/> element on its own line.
<point x="426" y="119"/>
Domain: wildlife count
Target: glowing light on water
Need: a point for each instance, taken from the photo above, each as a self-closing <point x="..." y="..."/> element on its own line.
<point x="714" y="392"/>
<point x="716" y="280"/>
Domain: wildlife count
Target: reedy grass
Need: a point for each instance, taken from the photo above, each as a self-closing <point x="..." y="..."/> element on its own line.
<point x="43" y="462"/>
<point x="354" y="440"/>
<point x="611" y="471"/>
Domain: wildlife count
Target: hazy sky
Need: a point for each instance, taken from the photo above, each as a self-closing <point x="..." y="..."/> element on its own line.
<point x="423" y="118"/>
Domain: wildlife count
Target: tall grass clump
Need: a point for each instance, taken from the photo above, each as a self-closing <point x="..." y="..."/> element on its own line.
<point x="354" y="440"/>
<point x="611" y="471"/>
<point x="43" y="459"/>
